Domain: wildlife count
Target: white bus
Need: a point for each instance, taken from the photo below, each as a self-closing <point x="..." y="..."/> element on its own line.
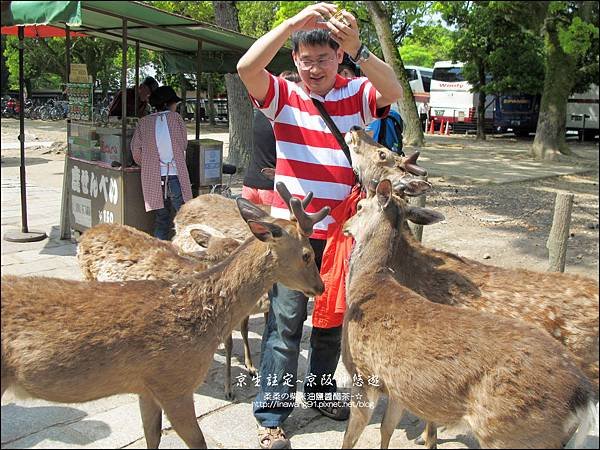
<point x="420" y="82"/>
<point x="451" y="99"/>
<point x="584" y="104"/>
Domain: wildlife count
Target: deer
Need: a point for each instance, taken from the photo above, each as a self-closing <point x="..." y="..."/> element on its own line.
<point x="509" y="382"/>
<point x="75" y="341"/>
<point x="564" y="305"/>
<point x="112" y="252"/>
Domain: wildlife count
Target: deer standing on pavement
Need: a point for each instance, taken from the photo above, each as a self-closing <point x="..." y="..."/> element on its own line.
<point x="508" y="382"/>
<point x="564" y="305"/>
<point x="69" y="341"/>
<point x="110" y="252"/>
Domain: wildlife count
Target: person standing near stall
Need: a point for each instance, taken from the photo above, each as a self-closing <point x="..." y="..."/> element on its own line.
<point x="158" y="146"/>
<point x="311" y="158"/>
<point x="145" y="90"/>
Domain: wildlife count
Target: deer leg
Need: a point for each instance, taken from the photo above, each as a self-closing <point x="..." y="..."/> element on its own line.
<point x="228" y="350"/>
<point x="247" y="354"/>
<point x="429" y="436"/>
<point x="392" y="416"/>
<point x="360" y="414"/>
<point x="151" y="419"/>
<point x="182" y="415"/>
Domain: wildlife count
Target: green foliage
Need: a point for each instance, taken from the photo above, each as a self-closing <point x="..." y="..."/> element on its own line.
<point x="499" y="55"/>
<point x="256" y="18"/>
<point x="426" y="45"/>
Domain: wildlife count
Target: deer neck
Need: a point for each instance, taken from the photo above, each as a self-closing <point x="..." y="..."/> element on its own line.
<point x="374" y="254"/>
<point x="226" y="293"/>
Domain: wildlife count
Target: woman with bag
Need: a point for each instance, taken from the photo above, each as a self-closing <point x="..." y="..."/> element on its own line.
<point x="158" y="146"/>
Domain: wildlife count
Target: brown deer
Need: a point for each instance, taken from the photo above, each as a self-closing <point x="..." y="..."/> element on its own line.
<point x="109" y="252"/>
<point x="69" y="341"/>
<point x="507" y="381"/>
<point x="564" y="305"/>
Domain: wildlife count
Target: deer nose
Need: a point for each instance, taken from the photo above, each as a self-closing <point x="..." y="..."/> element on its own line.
<point x="355" y="128"/>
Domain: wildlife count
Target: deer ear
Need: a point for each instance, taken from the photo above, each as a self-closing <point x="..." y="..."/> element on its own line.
<point x="200" y="236"/>
<point x="423" y="216"/>
<point x="384" y="193"/>
<point x="249" y="211"/>
<point x="265" y="231"/>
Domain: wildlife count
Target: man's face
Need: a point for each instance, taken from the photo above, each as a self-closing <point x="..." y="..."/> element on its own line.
<point x="144" y="92"/>
<point x="317" y="66"/>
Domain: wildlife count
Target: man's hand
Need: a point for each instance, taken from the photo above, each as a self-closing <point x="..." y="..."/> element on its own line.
<point x="345" y="35"/>
<point x="311" y="17"/>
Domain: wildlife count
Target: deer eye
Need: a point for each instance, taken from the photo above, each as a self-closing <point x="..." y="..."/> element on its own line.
<point x="358" y="207"/>
<point x="306" y="257"/>
<point x="382" y="155"/>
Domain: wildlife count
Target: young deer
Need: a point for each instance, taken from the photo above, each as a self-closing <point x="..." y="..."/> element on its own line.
<point x="109" y="252"/>
<point x="508" y="382"/>
<point x="69" y="341"/>
<point x="564" y="305"/>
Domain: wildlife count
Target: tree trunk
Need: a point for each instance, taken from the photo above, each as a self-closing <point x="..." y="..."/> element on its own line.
<point x="481" y="104"/>
<point x="240" y="108"/>
<point x="413" y="133"/>
<point x="560" y="75"/>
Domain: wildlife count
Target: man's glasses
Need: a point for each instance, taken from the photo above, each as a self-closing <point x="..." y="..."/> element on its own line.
<point x="321" y="63"/>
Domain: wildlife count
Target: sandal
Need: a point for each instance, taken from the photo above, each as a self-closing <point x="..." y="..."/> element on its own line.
<point x="272" y="438"/>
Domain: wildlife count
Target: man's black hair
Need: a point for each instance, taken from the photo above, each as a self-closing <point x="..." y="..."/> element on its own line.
<point x="151" y="83"/>
<point x="313" y="37"/>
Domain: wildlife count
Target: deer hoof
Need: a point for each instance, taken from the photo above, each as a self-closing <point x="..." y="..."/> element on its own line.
<point x="420" y="440"/>
<point x="252" y="370"/>
<point x="229" y="396"/>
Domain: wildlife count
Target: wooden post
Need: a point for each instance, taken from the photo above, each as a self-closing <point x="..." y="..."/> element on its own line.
<point x="198" y="74"/>
<point x="559" y="233"/>
<point x="417" y="229"/>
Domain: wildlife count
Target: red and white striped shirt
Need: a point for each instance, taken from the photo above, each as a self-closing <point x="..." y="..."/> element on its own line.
<point x="309" y="157"/>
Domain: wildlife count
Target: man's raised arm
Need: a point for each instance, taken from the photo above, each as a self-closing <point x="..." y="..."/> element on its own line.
<point x="251" y="66"/>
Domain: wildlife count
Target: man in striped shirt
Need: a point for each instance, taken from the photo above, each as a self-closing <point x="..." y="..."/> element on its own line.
<point x="309" y="158"/>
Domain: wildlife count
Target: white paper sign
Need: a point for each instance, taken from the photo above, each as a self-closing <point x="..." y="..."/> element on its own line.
<point x="82" y="210"/>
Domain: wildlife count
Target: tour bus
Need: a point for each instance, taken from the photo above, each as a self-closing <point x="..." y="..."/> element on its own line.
<point x="420" y="82"/>
<point x="451" y="99"/>
<point x="584" y="106"/>
<point x="516" y="112"/>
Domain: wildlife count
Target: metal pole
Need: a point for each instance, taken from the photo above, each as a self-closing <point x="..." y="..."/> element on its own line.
<point x="124" y="93"/>
<point x="137" y="73"/>
<point x="198" y="72"/>
<point x="24" y="226"/>
<point x="65" y="222"/>
<point x="25" y="235"/>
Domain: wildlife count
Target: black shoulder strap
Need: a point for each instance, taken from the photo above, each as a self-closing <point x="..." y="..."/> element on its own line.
<point x="333" y="127"/>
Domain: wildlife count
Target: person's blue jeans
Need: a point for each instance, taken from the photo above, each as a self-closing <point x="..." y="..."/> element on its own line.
<point x="281" y="349"/>
<point x="163" y="221"/>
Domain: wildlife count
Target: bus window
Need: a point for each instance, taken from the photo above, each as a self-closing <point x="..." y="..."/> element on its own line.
<point x="448" y="74"/>
<point x="426" y="77"/>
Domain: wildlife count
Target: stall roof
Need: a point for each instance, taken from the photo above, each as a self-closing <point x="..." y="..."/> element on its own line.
<point x="154" y="29"/>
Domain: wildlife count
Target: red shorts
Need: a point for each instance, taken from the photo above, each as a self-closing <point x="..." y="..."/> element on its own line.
<point x="258" y="196"/>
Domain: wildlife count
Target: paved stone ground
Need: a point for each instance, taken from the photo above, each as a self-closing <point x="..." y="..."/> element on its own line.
<point x="115" y="422"/>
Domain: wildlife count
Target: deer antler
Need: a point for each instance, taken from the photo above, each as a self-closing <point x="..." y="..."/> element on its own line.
<point x="306" y="221"/>
<point x="287" y="197"/>
<point x="411" y="166"/>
